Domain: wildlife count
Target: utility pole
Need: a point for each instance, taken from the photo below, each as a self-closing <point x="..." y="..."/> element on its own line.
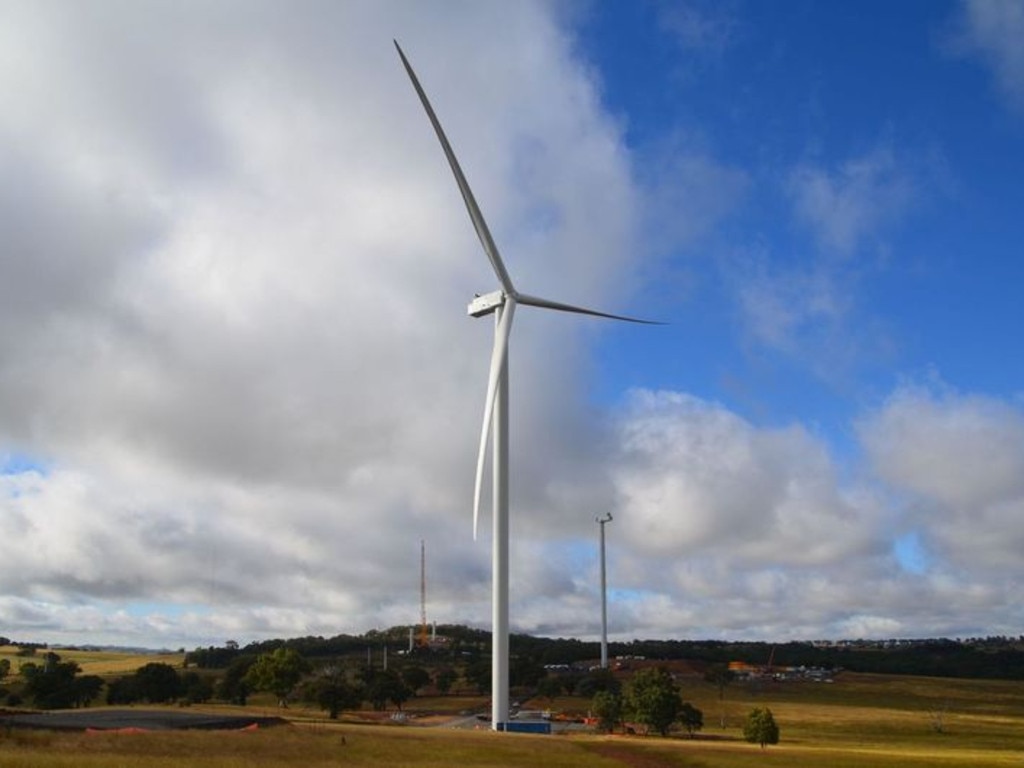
<point x="604" y="595"/>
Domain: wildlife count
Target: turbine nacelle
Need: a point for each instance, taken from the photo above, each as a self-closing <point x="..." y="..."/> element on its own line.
<point x="486" y="304"/>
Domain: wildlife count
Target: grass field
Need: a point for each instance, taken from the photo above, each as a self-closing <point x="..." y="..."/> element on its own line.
<point x="860" y="721"/>
<point x="323" y="745"/>
<point x="101" y="663"/>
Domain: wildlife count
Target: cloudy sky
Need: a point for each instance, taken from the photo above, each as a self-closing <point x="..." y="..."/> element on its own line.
<point x="238" y="384"/>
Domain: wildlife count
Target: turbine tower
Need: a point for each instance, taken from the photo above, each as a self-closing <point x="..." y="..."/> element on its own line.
<point x="502" y="303"/>
<point x="603" y="521"/>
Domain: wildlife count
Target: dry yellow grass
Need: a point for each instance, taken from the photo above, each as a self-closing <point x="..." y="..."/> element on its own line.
<point x="395" y="747"/>
<point x="102" y="663"/>
<point x="306" y="747"/>
<point x="861" y="721"/>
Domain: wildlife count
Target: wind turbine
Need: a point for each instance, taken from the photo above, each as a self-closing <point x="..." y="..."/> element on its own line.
<point x="502" y="303"/>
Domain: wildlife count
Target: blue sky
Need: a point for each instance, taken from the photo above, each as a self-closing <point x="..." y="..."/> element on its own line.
<point x="238" y="385"/>
<point x="925" y="260"/>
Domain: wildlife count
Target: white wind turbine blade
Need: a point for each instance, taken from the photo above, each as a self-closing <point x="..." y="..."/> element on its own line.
<point x="498" y="356"/>
<point x="467" y="194"/>
<point x="534" y="301"/>
<point x="508" y="297"/>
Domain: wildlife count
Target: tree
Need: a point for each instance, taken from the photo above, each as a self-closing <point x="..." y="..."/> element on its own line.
<point x="446" y="678"/>
<point x="652" y="699"/>
<point x="691" y="718"/>
<point x="598" y="680"/>
<point x="211" y="657"/>
<point x="233" y="686"/>
<point x="55" y="684"/>
<point x="123" y="690"/>
<point x="384" y="685"/>
<point x="525" y="673"/>
<point x="720" y="676"/>
<point x="85" y="689"/>
<point x="155" y="682"/>
<point x="158" y="683"/>
<point x="196" y="688"/>
<point x="760" y="727"/>
<point x="278" y="672"/>
<point x="479" y="674"/>
<point x="333" y="692"/>
<point x="607" y="707"/>
<point x="415" y="677"/>
<point x="549" y="687"/>
<point x="376" y="691"/>
<point x="5" y="668"/>
<point x="937" y="716"/>
<point x="569" y="681"/>
<point x="398" y="692"/>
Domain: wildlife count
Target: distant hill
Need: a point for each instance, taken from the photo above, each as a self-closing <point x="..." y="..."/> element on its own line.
<point x="988" y="658"/>
<point x="93" y="660"/>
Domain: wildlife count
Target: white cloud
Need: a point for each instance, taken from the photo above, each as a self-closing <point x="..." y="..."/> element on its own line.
<point x="697" y="480"/>
<point x="850" y="204"/>
<point x="790" y="310"/>
<point x="687" y="192"/>
<point x="703" y="28"/>
<point x="812" y="312"/>
<point x="744" y="530"/>
<point x="727" y="529"/>
<point x="959" y="459"/>
<point x="993" y="30"/>
<point x="237" y="362"/>
<point x="806" y="303"/>
<point x="235" y="299"/>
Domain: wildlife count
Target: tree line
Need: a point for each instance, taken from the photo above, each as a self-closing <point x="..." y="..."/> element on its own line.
<point x="649" y="702"/>
<point x="50" y="682"/>
<point x="989" y="658"/>
<point x="53" y="683"/>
